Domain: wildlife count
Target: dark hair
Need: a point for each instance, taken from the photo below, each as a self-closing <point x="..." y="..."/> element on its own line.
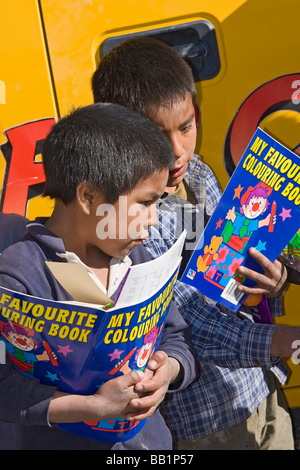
<point x="109" y="146"/>
<point x="142" y="73"/>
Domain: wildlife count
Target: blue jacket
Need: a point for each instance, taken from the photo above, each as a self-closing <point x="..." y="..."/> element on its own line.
<point x="13" y="227"/>
<point x="25" y="401"/>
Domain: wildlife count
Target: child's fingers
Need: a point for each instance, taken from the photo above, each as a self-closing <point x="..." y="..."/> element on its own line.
<point x="270" y="282"/>
<point x="157" y="360"/>
<point x="149" y="383"/>
<point x="144" y="406"/>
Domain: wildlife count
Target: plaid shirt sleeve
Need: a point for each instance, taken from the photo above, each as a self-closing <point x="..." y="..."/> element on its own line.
<point x="275" y="305"/>
<point x="219" y="338"/>
<point x="224" y="339"/>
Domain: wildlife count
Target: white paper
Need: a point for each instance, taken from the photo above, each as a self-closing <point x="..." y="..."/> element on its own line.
<point x="144" y="280"/>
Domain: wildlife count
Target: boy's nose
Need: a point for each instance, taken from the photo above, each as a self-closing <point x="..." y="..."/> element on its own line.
<point x="255" y="207"/>
<point x="176" y="145"/>
<point x="152" y="215"/>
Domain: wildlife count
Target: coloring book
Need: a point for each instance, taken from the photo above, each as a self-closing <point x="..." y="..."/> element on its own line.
<point x="77" y="346"/>
<point x="259" y="208"/>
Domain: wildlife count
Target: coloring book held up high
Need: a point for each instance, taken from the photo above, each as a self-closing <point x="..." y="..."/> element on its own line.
<point x="259" y="208"/>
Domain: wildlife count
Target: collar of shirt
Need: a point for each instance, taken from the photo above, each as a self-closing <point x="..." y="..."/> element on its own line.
<point x="118" y="268"/>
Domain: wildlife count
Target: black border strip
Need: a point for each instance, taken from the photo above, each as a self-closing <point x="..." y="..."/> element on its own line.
<point x="48" y="58"/>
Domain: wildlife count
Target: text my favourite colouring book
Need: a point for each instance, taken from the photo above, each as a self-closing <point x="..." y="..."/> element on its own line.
<point x="77" y="347"/>
<point x="259" y="208"/>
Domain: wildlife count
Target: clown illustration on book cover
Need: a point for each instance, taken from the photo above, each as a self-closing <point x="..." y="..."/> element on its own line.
<point x="259" y="208"/>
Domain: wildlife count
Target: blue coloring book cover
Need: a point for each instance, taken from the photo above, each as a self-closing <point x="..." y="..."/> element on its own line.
<point x="259" y="208"/>
<point x="78" y="347"/>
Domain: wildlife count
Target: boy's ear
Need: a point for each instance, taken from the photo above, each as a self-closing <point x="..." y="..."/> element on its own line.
<point x="85" y="197"/>
<point x="197" y="115"/>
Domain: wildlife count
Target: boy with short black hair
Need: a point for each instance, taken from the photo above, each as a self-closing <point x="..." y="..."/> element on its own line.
<point x="92" y="157"/>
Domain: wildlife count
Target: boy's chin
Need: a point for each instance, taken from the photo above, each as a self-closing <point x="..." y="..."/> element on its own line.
<point x="173" y="184"/>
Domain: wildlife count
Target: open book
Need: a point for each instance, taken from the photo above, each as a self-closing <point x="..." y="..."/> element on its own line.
<point x="78" y="346"/>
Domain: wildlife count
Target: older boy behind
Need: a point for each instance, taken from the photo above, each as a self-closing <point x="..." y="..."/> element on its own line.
<point x="223" y="406"/>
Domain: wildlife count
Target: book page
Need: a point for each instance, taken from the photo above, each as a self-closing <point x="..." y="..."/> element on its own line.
<point x="143" y="280"/>
<point x="77" y="281"/>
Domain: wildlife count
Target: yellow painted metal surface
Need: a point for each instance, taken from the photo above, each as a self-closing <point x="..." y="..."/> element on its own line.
<point x="50" y="49"/>
<point x="27" y="92"/>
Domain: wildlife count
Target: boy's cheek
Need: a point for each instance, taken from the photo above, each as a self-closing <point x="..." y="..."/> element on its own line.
<point x="139" y="220"/>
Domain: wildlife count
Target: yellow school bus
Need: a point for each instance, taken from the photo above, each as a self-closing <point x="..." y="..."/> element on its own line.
<point x="244" y="55"/>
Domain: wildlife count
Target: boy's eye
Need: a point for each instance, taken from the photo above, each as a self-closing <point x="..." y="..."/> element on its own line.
<point x="186" y="129"/>
<point x="147" y="203"/>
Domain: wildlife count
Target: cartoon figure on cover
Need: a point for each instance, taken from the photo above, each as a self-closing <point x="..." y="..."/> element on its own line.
<point x="140" y="356"/>
<point x="22" y="349"/>
<point x="254" y="202"/>
<point x="223" y="255"/>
